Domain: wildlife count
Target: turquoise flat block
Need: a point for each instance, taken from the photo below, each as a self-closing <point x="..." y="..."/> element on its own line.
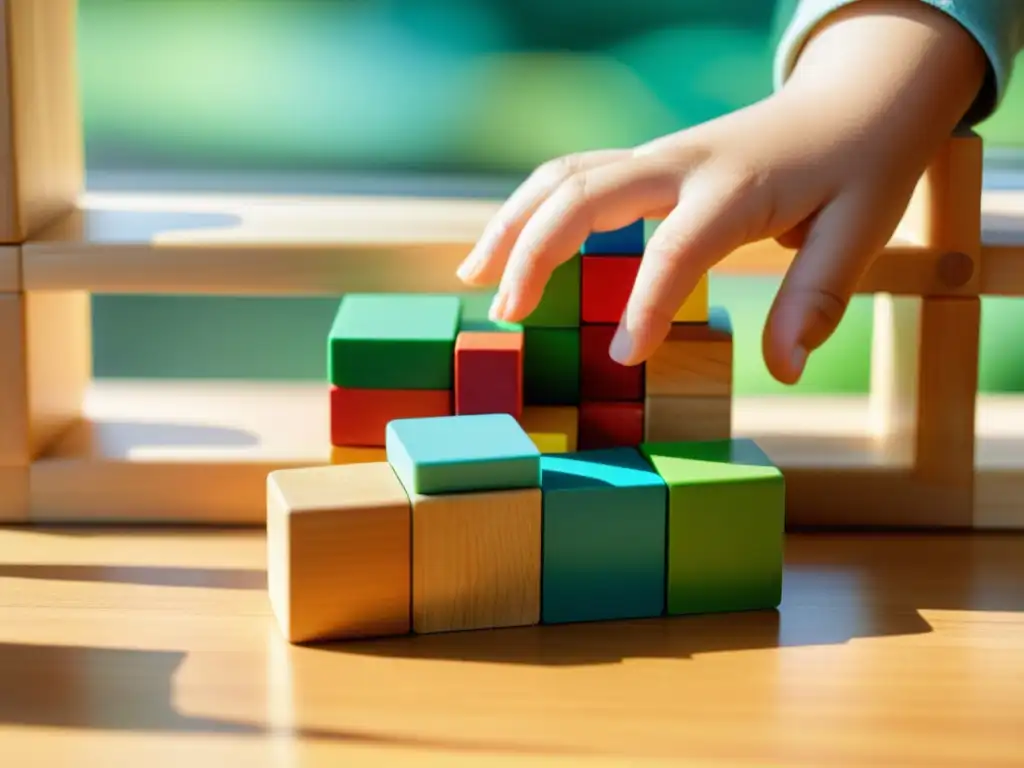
<point x="628" y="241"/>
<point x="451" y="454"/>
<point x="604" y="528"/>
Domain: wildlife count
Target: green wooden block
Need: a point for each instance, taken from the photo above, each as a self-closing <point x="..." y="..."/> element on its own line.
<point x="393" y="341"/>
<point x="551" y="366"/>
<point x="475" y="307"/>
<point x="560" y="305"/>
<point x="726" y="525"/>
<point x="604" y="537"/>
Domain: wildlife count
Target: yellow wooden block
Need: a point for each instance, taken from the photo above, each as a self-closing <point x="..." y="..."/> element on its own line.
<point x="476" y="560"/>
<point x="357" y="455"/>
<point x="695" y="308"/>
<point x="338" y="552"/>
<point x="552" y="428"/>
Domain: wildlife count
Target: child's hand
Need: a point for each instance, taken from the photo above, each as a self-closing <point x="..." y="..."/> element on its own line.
<point x="827" y="165"/>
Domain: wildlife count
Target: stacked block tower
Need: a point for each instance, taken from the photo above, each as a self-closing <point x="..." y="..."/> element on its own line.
<point x="414" y="356"/>
<point x="491" y="475"/>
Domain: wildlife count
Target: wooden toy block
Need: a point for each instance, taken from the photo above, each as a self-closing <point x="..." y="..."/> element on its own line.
<point x="604" y="537"/>
<point x="46" y="354"/>
<point x="694" y="359"/>
<point x="339" y="552"/>
<point x="683" y="418"/>
<point x="10" y="269"/>
<point x="552" y="428"/>
<point x="14" y="495"/>
<point x="627" y="241"/>
<point x="560" y="305"/>
<point x="41" y="148"/>
<point x="393" y="341"/>
<point x="607" y="283"/>
<point x="695" y="308"/>
<point x="359" y="416"/>
<point x="476" y="560"/>
<point x="601" y="378"/>
<point x="726" y="524"/>
<point x="489" y="373"/>
<point x="349" y="454"/>
<point x="462" y="453"/>
<point x="611" y="425"/>
<point x="551" y="366"/>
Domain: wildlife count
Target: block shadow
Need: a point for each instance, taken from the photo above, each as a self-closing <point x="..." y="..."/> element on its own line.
<point x="151" y="576"/>
<point x="836" y="589"/>
<point x="116" y="689"/>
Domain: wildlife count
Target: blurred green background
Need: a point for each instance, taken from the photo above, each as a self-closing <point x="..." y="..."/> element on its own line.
<point x="428" y="90"/>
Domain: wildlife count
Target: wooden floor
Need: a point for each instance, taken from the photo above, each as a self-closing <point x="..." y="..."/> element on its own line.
<point x="156" y="648"/>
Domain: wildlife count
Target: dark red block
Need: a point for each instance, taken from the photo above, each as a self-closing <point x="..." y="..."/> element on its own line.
<point x="611" y="425"/>
<point x="607" y="283"/>
<point x="601" y="378"/>
<point x="489" y="373"/>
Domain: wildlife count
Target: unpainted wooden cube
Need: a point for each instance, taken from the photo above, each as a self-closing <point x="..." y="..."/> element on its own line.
<point x="338" y="552"/>
<point x="476" y="560"/>
<point x="695" y="359"/>
<point x="671" y="418"/>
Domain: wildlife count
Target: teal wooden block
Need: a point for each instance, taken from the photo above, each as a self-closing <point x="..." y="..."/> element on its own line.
<point x="451" y="454"/>
<point x="393" y="341"/>
<point x="726" y="525"/>
<point x="604" y="537"/>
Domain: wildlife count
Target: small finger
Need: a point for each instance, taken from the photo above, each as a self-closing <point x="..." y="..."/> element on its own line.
<point x="601" y="199"/>
<point x="709" y="222"/>
<point x="486" y="261"/>
<point x="816" y="291"/>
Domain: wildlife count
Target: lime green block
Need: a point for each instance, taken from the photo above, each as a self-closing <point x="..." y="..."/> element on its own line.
<point x="475" y="307"/>
<point x="560" y="305"/>
<point x="393" y="341"/>
<point x="551" y="366"/>
<point x="726" y="525"/>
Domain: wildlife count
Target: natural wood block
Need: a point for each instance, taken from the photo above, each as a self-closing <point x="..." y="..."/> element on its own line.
<point x="10" y="269"/>
<point x="695" y="359"/>
<point x="601" y="378"/>
<point x="476" y="560"/>
<point x="611" y="425"/>
<point x="14" y="495"/>
<point x="338" y="552"/>
<point x="359" y="417"/>
<point x="672" y="418"/>
<point x="552" y="428"/>
<point x="45" y="368"/>
<point x="489" y="373"/>
<point x="41" y="152"/>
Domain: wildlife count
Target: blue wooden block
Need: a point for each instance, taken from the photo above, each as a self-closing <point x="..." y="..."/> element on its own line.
<point x="604" y="532"/>
<point x="450" y="454"/>
<point x="628" y="241"/>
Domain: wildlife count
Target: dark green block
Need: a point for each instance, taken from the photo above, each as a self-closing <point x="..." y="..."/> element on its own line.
<point x="560" y="305"/>
<point x="726" y="525"/>
<point x="604" y="537"/>
<point x="393" y="341"/>
<point x="551" y="366"/>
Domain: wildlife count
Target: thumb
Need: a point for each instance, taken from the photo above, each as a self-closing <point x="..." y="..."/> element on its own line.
<point x="840" y="243"/>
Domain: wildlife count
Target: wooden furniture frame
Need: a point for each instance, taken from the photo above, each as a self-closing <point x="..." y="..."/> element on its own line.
<point x="922" y="450"/>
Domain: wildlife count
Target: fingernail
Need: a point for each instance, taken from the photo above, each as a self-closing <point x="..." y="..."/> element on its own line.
<point x="621" y="347"/>
<point x="497" y="307"/>
<point x="799" y="358"/>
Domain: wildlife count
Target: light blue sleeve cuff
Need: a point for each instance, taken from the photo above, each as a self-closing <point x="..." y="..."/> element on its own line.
<point x="997" y="25"/>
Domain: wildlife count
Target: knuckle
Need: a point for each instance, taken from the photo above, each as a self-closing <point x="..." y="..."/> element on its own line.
<point x="561" y="168"/>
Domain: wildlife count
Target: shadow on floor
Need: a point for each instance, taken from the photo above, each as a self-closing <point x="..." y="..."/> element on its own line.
<point x="151" y="576"/>
<point x="131" y="690"/>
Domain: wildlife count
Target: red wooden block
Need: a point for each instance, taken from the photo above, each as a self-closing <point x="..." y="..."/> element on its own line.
<point x="601" y="378"/>
<point x="607" y="282"/>
<point x="611" y="425"/>
<point x="359" y="416"/>
<point x="489" y="373"/>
